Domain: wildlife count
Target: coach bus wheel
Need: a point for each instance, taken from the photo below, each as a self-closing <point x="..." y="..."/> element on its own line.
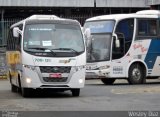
<point x="75" y="92"/>
<point x="136" y="74"/>
<point x="25" y="92"/>
<point x="108" y="81"/>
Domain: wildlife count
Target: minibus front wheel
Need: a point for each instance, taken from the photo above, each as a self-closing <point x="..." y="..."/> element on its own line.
<point x="75" y="92"/>
<point x="13" y="87"/>
<point x="26" y="92"/>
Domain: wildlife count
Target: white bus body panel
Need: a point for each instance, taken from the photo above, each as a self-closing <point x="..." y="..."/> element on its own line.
<point x="76" y="77"/>
<point x="119" y="68"/>
<point x="139" y="50"/>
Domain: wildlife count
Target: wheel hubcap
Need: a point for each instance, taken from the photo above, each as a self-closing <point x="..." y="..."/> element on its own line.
<point x="136" y="74"/>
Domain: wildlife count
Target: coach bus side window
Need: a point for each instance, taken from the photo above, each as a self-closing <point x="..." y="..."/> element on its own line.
<point x="147" y="27"/>
<point x="124" y="31"/>
<point x="159" y="28"/>
<point x="153" y="27"/>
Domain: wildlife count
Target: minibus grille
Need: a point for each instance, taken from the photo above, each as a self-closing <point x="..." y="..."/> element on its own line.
<point x="49" y="79"/>
<point x="55" y="69"/>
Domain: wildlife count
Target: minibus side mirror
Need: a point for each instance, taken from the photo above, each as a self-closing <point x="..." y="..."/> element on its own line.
<point x="16" y="32"/>
<point x="117" y="42"/>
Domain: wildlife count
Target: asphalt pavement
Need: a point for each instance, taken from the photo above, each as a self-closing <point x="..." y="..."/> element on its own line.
<point x="95" y="96"/>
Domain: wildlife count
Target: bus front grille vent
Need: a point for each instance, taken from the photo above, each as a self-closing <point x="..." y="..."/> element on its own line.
<point x="49" y="79"/>
<point x="55" y="69"/>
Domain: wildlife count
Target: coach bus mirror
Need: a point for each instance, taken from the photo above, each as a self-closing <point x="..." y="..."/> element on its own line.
<point x="16" y="32"/>
<point x="82" y="29"/>
<point x="87" y="33"/>
<point x="88" y="36"/>
<point x="117" y="42"/>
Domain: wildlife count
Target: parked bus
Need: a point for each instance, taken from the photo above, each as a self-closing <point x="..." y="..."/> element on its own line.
<point x="124" y="46"/>
<point x="46" y="52"/>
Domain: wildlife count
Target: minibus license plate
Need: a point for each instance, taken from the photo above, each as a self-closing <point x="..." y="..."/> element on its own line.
<point x="56" y="75"/>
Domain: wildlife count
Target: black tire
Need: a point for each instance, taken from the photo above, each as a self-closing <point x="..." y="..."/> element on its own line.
<point x="26" y="92"/>
<point x="108" y="81"/>
<point x="13" y="88"/>
<point x="75" y="92"/>
<point x="19" y="83"/>
<point x="136" y="74"/>
<point x="10" y="78"/>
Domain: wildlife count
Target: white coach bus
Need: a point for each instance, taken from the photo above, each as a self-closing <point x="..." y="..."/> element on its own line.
<point x="124" y="46"/>
<point x="45" y="51"/>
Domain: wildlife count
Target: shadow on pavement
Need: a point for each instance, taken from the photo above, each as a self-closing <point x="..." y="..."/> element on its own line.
<point x="121" y="83"/>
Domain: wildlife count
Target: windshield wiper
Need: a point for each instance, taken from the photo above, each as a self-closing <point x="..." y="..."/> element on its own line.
<point x="68" y="49"/>
<point x="40" y="48"/>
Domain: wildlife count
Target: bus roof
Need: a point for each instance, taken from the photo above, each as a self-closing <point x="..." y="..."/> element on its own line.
<point x="139" y="14"/>
<point x="44" y="17"/>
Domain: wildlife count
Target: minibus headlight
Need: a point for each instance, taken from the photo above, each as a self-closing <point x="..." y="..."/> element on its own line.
<point x="29" y="67"/>
<point x="81" y="81"/>
<point x="104" y="67"/>
<point x="28" y="80"/>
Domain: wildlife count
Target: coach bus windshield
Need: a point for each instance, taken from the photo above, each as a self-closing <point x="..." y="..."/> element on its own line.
<point x="101" y="32"/>
<point x="53" y="38"/>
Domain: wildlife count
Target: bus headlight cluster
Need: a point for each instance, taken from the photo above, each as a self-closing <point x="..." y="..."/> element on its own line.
<point x="104" y="67"/>
<point x="29" y="67"/>
<point x="78" y="68"/>
<point x="28" y="80"/>
<point x="81" y="81"/>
